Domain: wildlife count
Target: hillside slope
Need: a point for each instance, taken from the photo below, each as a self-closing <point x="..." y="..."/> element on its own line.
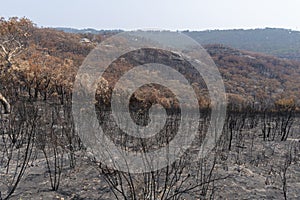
<point x="256" y="77"/>
<point x="282" y="43"/>
<point x="48" y="65"/>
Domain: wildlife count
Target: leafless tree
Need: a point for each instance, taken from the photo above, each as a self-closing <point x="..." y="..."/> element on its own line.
<point x="184" y="178"/>
<point x="17" y="145"/>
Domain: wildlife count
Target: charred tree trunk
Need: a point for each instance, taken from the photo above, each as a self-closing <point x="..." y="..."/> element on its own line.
<point x="5" y="104"/>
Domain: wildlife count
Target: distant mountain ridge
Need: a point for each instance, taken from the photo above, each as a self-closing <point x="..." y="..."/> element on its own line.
<point x="282" y="43"/>
<point x="86" y="30"/>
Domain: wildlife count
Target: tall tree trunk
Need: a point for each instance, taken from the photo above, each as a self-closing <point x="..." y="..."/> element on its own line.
<point x="5" y="104"/>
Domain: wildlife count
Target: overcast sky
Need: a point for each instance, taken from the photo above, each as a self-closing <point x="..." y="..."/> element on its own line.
<point x="157" y="14"/>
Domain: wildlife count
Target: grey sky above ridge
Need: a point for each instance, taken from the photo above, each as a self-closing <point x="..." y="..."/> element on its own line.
<point x="157" y="14"/>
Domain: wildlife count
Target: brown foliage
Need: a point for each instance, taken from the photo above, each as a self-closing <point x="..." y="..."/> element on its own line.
<point x="42" y="63"/>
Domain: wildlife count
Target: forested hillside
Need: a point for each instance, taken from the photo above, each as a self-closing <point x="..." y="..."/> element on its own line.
<point x="44" y="139"/>
<point x="282" y="43"/>
<point x="255" y="77"/>
<point x="41" y="63"/>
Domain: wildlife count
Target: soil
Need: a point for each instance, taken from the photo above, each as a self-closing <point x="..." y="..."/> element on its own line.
<point x="253" y="170"/>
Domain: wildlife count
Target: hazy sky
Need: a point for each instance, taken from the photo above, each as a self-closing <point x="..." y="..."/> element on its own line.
<point x="157" y="14"/>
